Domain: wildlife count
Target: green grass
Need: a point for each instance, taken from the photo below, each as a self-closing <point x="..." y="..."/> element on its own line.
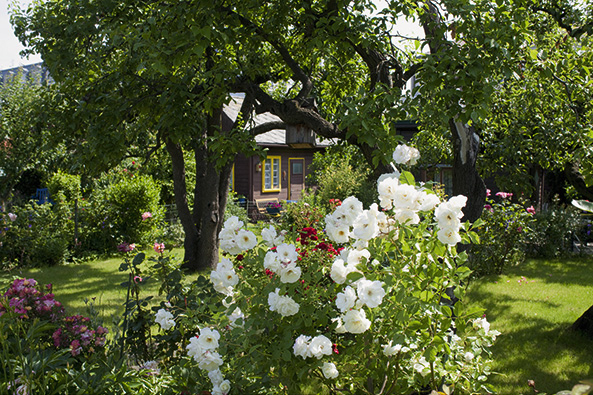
<point x="99" y="279"/>
<point x="532" y="306"/>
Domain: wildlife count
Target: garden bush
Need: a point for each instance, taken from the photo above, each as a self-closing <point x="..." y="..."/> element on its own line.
<point x="554" y="231"/>
<point x="35" y="234"/>
<point x="123" y="208"/>
<point x="360" y="307"/>
<point x="504" y="229"/>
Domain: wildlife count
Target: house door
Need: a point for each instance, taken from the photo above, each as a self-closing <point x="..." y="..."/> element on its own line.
<point x="296" y="179"/>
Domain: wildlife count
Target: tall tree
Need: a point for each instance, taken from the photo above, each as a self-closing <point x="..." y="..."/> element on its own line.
<point x="162" y="71"/>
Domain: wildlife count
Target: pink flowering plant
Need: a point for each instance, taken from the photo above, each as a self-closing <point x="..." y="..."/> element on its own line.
<point x="365" y="305"/>
<point x="504" y="230"/>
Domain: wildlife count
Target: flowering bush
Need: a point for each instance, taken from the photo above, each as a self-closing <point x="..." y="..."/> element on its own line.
<point x="503" y="233"/>
<point x="26" y="300"/>
<point x="554" y="230"/>
<point x="360" y="307"/>
<point x="77" y="334"/>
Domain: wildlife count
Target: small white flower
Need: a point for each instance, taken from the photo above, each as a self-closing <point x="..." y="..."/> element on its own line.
<point x="405" y="197"/>
<point x="208" y="339"/>
<point x="370" y="293"/>
<point x="355" y="321"/>
<point x="12" y="217"/>
<point x="320" y="346"/>
<point x="346" y="300"/>
<point x="301" y="346"/>
<point x="421" y="366"/>
<point x="233" y="223"/>
<point x="235" y="315"/>
<point x="164" y="319"/>
<point x="482" y="323"/>
<point x="389" y="349"/>
<point x="338" y="233"/>
<point x="468" y="356"/>
<point x="365" y="226"/>
<point x="329" y="370"/>
<point x="271" y="237"/>
<point x="284" y="305"/>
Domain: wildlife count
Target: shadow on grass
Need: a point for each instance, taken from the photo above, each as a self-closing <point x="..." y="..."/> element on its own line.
<point x="533" y="347"/>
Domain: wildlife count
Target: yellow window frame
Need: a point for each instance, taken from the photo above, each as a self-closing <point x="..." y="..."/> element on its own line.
<point x="275" y="163"/>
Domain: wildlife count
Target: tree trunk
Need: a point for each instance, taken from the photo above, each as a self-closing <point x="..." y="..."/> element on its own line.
<point x="466" y="180"/>
<point x="576" y="179"/>
<point x="584" y="324"/>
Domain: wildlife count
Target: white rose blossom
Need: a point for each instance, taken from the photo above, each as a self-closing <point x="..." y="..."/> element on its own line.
<point x="329" y="370"/>
<point x="215" y="377"/>
<point x="164" y="319"/>
<point x="346" y="300"/>
<point x="208" y="339"/>
<point x="320" y="346"/>
<point x="290" y="273"/>
<point x="283" y="305"/>
<point x="301" y="347"/>
<point x="370" y="293"/>
<point x="405" y="155"/>
<point x="389" y="349"/>
<point x="287" y="253"/>
<point x="271" y="237"/>
<point x="355" y="321"/>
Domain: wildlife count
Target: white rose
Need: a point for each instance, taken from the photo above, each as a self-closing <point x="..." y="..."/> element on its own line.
<point x="225" y="387"/>
<point x="351" y="207"/>
<point x="447" y="216"/>
<point x="208" y="339"/>
<point x="405" y="216"/>
<point x="449" y="236"/>
<point x="404" y="154"/>
<point x="164" y="319"/>
<point x="428" y="201"/>
<point x="355" y="321"/>
<point x="290" y="273"/>
<point x="287" y="252"/>
<point x="468" y="356"/>
<point x="389" y="349"/>
<point x="271" y="262"/>
<point x="233" y="223"/>
<point x="301" y="346"/>
<point x="215" y="377"/>
<point x="226" y="278"/>
<point x="193" y="349"/>
<point x="405" y="197"/>
<point x="338" y="233"/>
<point x="320" y="346"/>
<point x="421" y="366"/>
<point x="370" y="293"/>
<point x="365" y="226"/>
<point x="329" y="370"/>
<point x="339" y="271"/>
<point x="246" y="240"/>
<point x="210" y="360"/>
<point x="346" y="300"/>
<point x="286" y="306"/>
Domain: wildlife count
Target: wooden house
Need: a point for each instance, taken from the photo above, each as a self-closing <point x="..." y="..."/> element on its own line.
<point x="281" y="175"/>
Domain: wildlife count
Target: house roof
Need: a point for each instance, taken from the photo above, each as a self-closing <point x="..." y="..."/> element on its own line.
<point x="273" y="137"/>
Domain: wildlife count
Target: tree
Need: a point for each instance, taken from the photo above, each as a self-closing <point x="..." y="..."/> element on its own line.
<point x="23" y="131"/>
<point x="156" y="74"/>
<point x="543" y="110"/>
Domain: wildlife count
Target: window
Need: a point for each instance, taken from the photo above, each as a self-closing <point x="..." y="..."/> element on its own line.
<point x="271" y="174"/>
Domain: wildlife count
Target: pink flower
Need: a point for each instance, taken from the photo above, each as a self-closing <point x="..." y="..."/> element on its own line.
<point x="531" y="210"/>
<point x="126" y="247"/>
<point x="12" y="217"/>
<point x="159" y="248"/>
<point x="488" y="207"/>
<point x="146" y="215"/>
<point x="504" y="195"/>
<point x="137" y="279"/>
<point x="488" y="192"/>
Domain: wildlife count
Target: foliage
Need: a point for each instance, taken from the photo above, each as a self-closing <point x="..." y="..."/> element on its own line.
<point x="35" y="234"/>
<point x="303" y="213"/>
<point x="66" y="184"/>
<point x="282" y="299"/>
<point x="115" y="212"/>
<point x="504" y="230"/>
<point x="553" y="231"/>
<point x="234" y="208"/>
<point x="23" y="131"/>
<point x="339" y="173"/>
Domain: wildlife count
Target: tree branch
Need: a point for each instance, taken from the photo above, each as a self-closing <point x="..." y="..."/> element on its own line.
<point x="297" y="71"/>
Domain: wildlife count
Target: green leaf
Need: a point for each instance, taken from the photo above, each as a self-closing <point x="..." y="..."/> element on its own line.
<point x="138" y="259"/>
<point x="407" y="178"/>
<point x="354" y="276"/>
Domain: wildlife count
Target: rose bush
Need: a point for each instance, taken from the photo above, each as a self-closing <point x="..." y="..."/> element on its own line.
<point x="361" y="306"/>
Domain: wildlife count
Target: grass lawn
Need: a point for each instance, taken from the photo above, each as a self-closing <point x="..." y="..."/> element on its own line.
<point x="99" y="279"/>
<point x="532" y="306"/>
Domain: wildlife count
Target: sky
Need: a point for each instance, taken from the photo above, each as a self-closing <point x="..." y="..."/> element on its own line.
<point x="9" y="45"/>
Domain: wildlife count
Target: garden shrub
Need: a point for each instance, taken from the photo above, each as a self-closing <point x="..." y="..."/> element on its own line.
<point x="504" y="229"/>
<point x="339" y="173"/>
<point x="361" y="307"/>
<point x="233" y="208"/>
<point x="122" y="209"/>
<point x="302" y="213"/>
<point x="35" y="234"/>
<point x="66" y="184"/>
<point x="554" y="230"/>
